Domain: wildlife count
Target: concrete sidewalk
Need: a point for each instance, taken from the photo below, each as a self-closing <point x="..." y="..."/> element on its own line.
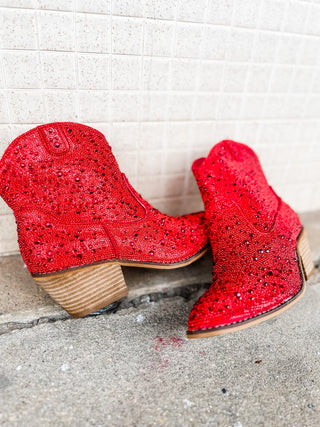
<point x="131" y="364"/>
<point x="136" y="368"/>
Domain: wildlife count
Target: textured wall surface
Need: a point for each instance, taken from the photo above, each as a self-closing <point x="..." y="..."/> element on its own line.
<point x="165" y="80"/>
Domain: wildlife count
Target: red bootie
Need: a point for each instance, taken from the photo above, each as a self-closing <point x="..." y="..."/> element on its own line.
<point x="260" y="252"/>
<point x="79" y="219"/>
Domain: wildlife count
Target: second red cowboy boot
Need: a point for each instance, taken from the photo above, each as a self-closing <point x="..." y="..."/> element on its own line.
<point x="260" y="251"/>
<point x="79" y="219"/>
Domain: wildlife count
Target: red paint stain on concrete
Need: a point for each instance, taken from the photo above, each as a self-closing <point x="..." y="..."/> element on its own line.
<point x="160" y="342"/>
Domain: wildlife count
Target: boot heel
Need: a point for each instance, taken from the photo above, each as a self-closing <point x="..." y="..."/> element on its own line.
<point x="83" y="291"/>
<point x="305" y="255"/>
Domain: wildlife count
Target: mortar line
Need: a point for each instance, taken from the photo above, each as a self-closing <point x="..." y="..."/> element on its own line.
<point x="5" y="90"/>
<point x="196" y="92"/>
<point x="211" y="24"/>
<point x="37" y="12"/>
<point x="76" y="63"/>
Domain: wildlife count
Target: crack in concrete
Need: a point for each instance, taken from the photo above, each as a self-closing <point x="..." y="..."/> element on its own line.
<point x="187" y="292"/>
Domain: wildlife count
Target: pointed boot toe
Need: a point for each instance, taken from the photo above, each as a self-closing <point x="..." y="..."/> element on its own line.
<point x="260" y="250"/>
<point x="79" y="220"/>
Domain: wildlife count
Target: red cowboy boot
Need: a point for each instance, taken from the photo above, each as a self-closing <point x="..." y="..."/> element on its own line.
<point x="79" y="219"/>
<point x="260" y="251"/>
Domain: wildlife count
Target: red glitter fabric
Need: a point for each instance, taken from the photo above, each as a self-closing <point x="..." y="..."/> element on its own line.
<point x="253" y="235"/>
<point x="73" y="206"/>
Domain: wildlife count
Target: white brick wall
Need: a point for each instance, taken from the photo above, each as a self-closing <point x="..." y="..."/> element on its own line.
<point x="165" y="80"/>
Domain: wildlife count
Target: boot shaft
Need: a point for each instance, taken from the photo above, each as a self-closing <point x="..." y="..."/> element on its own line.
<point x="232" y="174"/>
<point x="66" y="170"/>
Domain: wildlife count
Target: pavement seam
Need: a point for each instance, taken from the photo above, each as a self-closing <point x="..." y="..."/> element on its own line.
<point x="187" y="292"/>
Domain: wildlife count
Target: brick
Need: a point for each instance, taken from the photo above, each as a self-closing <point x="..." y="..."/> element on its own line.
<point x="56" y="31"/>
<point x="126" y="72"/>
<point x="271" y="16"/>
<point x="94" y="106"/>
<point x="245" y="13"/>
<point x="60" y="106"/>
<point x="216" y="40"/>
<point x="127" y="8"/>
<point x="155" y="73"/>
<point x="127" y="35"/>
<point x="93" y="33"/>
<point x="191" y="10"/>
<point x="220" y="12"/>
<point x="59" y="70"/>
<point x="125" y="107"/>
<point x="94" y="71"/>
<point x="17" y="29"/>
<point x="158" y="38"/>
<point x="93" y="6"/>
<point x="188" y="40"/>
<point x="22" y="69"/>
<point x="161" y="9"/>
<point x="26" y="106"/>
<point x="183" y="74"/>
<point x="55" y="4"/>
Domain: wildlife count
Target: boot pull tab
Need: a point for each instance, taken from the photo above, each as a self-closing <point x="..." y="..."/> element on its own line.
<point x="54" y="139"/>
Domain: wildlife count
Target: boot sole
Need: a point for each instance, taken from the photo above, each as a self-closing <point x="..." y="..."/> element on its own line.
<point x="84" y="290"/>
<point x="306" y="267"/>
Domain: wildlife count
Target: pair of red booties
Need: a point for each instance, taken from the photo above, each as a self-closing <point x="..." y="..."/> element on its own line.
<point x="79" y="220"/>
